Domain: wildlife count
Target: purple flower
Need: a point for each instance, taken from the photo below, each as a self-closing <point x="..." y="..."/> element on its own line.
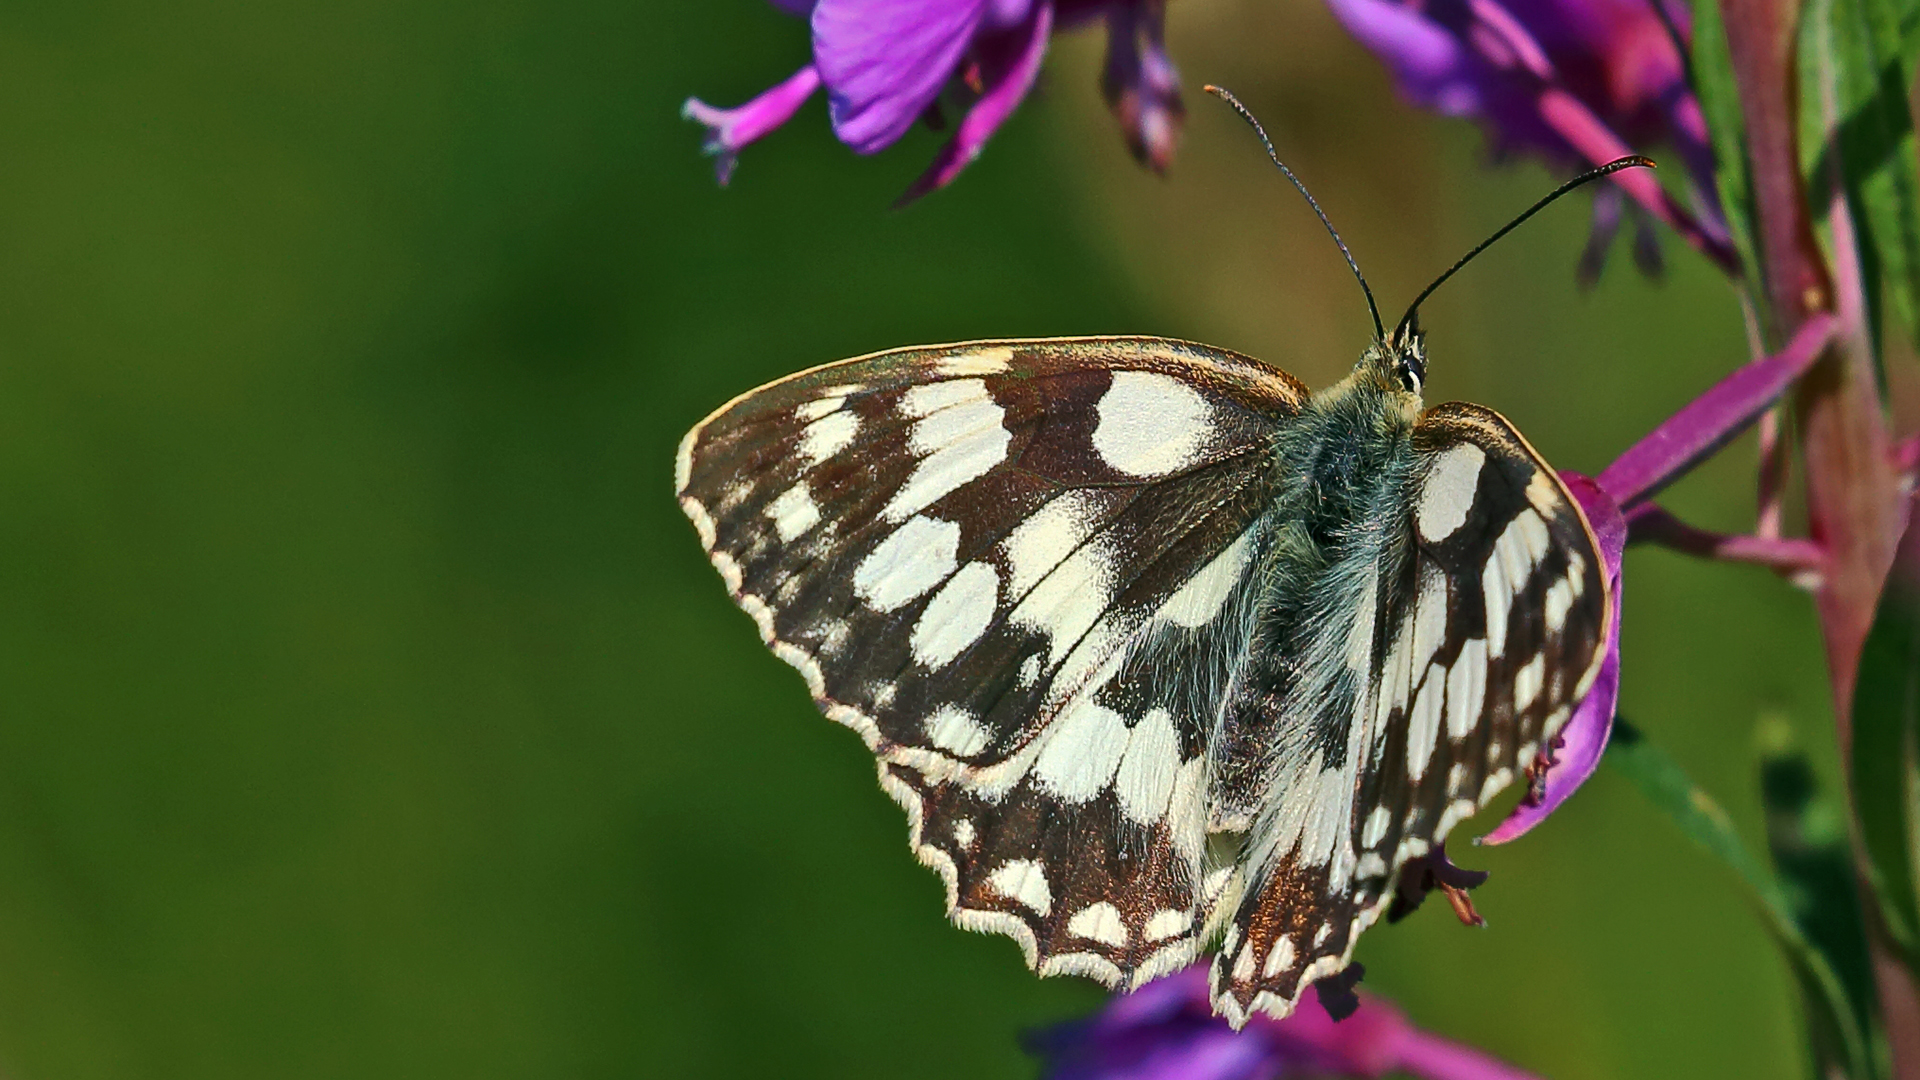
<point x="1166" y="1030"/>
<point x="885" y="64"/>
<point x="1577" y="82"/>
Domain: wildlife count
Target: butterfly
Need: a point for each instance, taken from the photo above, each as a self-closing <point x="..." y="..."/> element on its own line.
<point x="1159" y="650"/>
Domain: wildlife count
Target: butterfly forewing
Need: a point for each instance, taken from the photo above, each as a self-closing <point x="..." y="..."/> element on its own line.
<point x="968" y="550"/>
<point x="1481" y="636"/>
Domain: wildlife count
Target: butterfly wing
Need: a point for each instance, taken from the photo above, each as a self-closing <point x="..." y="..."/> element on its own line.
<point x="964" y="549"/>
<point x="1484" y="631"/>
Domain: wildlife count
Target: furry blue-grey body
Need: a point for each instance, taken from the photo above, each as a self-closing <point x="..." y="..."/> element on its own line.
<point x="1335" y="528"/>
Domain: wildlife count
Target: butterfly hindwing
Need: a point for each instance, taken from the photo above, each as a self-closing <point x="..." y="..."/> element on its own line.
<point x="1484" y="630"/>
<point x="980" y="556"/>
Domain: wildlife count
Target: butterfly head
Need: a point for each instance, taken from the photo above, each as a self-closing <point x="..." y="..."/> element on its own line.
<point x="1397" y="363"/>
<point x="1405" y="355"/>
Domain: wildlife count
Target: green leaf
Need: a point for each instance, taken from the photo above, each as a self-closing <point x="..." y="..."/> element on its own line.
<point x="1857" y="131"/>
<point x="1711" y="68"/>
<point x="1840" y="1043"/>
<point x="1886" y="745"/>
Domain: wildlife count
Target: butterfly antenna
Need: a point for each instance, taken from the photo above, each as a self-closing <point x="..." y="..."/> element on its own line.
<point x="1611" y="167"/>
<point x="1245" y="114"/>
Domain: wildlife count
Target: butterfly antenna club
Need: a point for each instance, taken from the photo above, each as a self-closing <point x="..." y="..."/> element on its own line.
<point x="1631" y="162"/>
<point x="1246" y="114"/>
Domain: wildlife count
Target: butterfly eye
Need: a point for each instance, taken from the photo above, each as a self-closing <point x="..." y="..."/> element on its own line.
<point x="1412" y="371"/>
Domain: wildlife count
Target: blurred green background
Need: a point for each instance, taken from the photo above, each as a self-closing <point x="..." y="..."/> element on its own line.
<point x="366" y="706"/>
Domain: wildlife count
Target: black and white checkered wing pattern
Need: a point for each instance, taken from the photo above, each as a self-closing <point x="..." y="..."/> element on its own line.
<point x="960" y="548"/>
<point x="1484" y="634"/>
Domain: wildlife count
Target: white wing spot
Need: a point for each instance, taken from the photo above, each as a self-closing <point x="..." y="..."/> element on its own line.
<point x="963" y="834"/>
<point x="1371" y="866"/>
<point x="794" y="512"/>
<point x="1099" y="922"/>
<point x="956" y="731"/>
<point x="1243" y="964"/>
<point x="1166" y="923"/>
<point x="1186" y="809"/>
<point x="957" y="615"/>
<point x="1376" y="828"/>
<point x="1396" y="689"/>
<point x="1279" y="958"/>
<point x="1067" y="603"/>
<point x="1299" y="787"/>
<point x="1328" y="817"/>
<point x="828" y="436"/>
<point x="1148" y="768"/>
<point x="992" y="361"/>
<point x="809" y="411"/>
<point x="1466" y="689"/>
<point x="1494" y="783"/>
<point x="918" y="556"/>
<point x="1430" y="621"/>
<point x="1559" y="602"/>
<point x="1083" y="749"/>
<point x="1498" y="595"/>
<point x="1424" y="723"/>
<point x="1446" y="498"/>
<point x="1533" y="530"/>
<point x="1206" y="592"/>
<point x="1320" y="935"/>
<point x="1023" y="881"/>
<point x="1150" y="424"/>
<point x="1527" y="682"/>
<point x="929" y="398"/>
<point x="1543" y="494"/>
<point x="1047" y="537"/>
<point x="963" y="441"/>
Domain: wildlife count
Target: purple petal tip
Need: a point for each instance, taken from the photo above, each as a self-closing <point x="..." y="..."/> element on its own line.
<point x="728" y="130"/>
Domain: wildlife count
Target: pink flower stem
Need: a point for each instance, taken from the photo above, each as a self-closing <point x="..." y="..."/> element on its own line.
<point x="1650" y="523"/>
<point x="1854" y="507"/>
<point x="1709" y="421"/>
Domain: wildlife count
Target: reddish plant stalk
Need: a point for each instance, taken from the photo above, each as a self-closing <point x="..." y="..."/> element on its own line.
<point x="1853" y="505"/>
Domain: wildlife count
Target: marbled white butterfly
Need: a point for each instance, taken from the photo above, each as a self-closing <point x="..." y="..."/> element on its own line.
<point x="1158" y="649"/>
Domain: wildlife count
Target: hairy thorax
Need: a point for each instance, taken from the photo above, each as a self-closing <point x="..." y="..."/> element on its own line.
<point x="1339" y="478"/>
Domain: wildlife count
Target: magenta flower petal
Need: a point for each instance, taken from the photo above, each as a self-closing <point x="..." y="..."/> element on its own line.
<point x="1009" y="65"/>
<point x="730" y="129"/>
<point x="1576" y="82"/>
<point x="1710" y="420"/>
<point x="1166" y="1030"/>
<point x="1584" y="738"/>
<point x="887" y="64"/>
<point x="1431" y="65"/>
<point x="885" y="61"/>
